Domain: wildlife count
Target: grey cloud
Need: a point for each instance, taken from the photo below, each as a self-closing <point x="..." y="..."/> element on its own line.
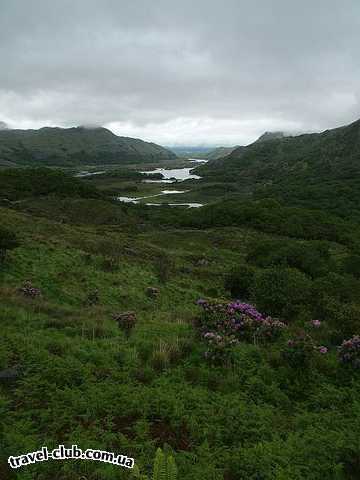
<point x="181" y="72"/>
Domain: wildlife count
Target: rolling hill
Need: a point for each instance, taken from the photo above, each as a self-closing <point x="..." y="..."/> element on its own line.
<point x="75" y="146"/>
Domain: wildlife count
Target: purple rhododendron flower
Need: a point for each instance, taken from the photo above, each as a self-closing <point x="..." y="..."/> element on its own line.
<point x="315" y="323"/>
<point x="201" y="301"/>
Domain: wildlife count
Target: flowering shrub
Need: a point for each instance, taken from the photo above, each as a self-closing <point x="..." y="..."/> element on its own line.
<point x="239" y="319"/>
<point x="28" y="290"/>
<point x="219" y="346"/>
<point x="300" y="350"/>
<point x="349" y="351"/>
<point x="223" y="325"/>
<point x="126" y="321"/>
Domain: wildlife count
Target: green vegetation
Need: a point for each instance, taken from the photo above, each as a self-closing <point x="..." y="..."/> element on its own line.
<point x="8" y="241"/>
<point x="75" y="146"/>
<point x="105" y="344"/>
<point x="312" y="171"/>
<point x="20" y="184"/>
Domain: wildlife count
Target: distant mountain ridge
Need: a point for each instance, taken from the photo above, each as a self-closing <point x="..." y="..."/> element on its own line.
<point x="317" y="170"/>
<point x="54" y="146"/>
<point x="221" y="152"/>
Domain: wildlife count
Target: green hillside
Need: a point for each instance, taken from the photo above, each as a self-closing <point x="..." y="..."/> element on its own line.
<point x="120" y="331"/>
<point x="218" y="152"/>
<point x="74" y="147"/>
<point x="313" y="170"/>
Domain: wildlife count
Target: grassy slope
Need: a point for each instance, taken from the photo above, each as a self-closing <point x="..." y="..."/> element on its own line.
<point x="83" y="382"/>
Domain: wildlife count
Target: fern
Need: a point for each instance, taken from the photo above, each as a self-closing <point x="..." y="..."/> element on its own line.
<point x="164" y="468"/>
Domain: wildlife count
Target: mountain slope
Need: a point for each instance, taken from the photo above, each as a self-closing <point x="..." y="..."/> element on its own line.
<point x="219" y="152"/>
<point x="270" y="136"/>
<point x="320" y="169"/>
<point x="75" y="146"/>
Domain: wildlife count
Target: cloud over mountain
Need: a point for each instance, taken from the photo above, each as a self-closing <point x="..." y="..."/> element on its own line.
<point x="181" y="72"/>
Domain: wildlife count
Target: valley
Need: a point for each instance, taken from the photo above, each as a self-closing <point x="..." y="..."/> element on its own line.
<point x="139" y="321"/>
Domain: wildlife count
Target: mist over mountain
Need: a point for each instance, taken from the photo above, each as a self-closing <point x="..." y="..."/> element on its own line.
<point x="271" y="136"/>
<point x="76" y="146"/>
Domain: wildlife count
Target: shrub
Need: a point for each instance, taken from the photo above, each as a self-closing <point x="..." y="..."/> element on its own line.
<point x="219" y="347"/>
<point x="8" y="241"/>
<point x="342" y="318"/>
<point x="28" y="290"/>
<point x="126" y="321"/>
<point x="239" y="281"/>
<point x="224" y="325"/>
<point x="281" y="291"/>
<point x="351" y="265"/>
<point x="300" y="351"/>
<point x="349" y="351"/>
<point x="344" y="288"/>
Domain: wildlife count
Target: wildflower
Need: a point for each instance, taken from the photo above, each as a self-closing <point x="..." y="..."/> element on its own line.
<point x="323" y="349"/>
<point x="315" y="323"/>
<point x="349" y="351"/>
<point x="201" y="301"/>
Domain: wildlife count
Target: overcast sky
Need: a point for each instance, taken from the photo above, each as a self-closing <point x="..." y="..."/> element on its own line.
<point x="181" y="72"/>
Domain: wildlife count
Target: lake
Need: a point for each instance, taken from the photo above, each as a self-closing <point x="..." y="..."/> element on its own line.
<point x="172" y="175"/>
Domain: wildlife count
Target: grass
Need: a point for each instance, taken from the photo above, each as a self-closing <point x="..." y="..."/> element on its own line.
<point x="83" y="381"/>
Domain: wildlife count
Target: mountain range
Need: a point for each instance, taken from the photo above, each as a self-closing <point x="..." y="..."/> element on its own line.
<point x="75" y="146"/>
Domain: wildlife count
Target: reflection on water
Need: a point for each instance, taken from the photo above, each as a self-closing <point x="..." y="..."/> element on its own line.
<point x="85" y="173"/>
<point x="164" y="192"/>
<point x="189" y="205"/>
<point x="197" y="160"/>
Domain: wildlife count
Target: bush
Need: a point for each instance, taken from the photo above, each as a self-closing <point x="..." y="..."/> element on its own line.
<point x="349" y="351"/>
<point x="281" y="291"/>
<point x="300" y="351"/>
<point x="312" y="258"/>
<point x="28" y="290"/>
<point x="239" y="281"/>
<point x="126" y="321"/>
<point x="223" y="326"/>
<point x="335" y="299"/>
<point x="343" y="319"/>
<point x="8" y="241"/>
<point x="351" y="265"/>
